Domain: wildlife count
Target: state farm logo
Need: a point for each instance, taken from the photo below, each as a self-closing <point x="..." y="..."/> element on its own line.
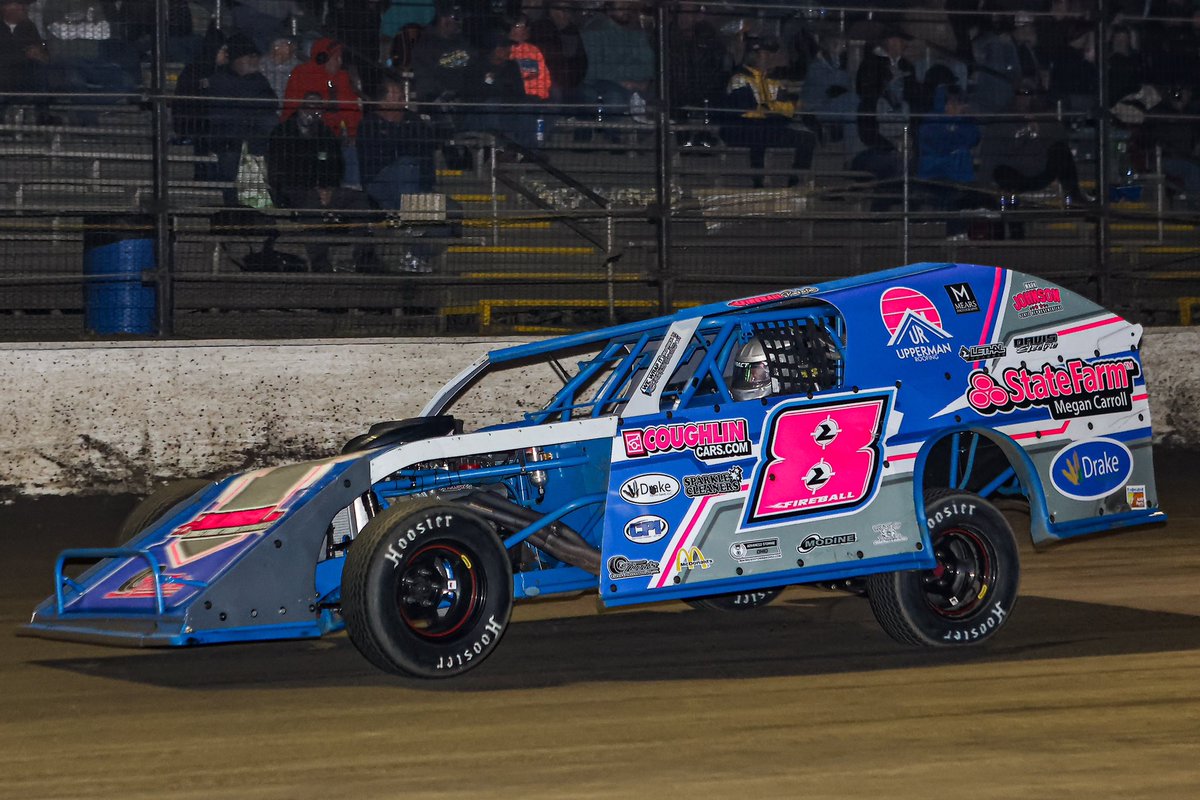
<point x="914" y="323"/>
<point x="1035" y="301"/>
<point x="648" y="490"/>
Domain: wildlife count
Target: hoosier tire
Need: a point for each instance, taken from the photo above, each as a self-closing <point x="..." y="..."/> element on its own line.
<point x="156" y="504"/>
<point x="969" y="595"/>
<point x="735" y="601"/>
<point x="426" y="590"/>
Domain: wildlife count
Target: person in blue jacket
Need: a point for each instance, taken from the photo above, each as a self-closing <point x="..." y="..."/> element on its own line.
<point x="945" y="141"/>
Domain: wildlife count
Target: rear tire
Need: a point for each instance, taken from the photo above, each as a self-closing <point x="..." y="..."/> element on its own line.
<point x="736" y="601"/>
<point x="427" y="590"/>
<point x="969" y="595"/>
<point x="156" y="504"/>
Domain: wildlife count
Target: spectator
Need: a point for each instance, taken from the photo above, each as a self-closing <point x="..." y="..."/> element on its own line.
<point x="133" y="21"/>
<point x="243" y="111"/>
<point x="945" y="143"/>
<point x="356" y="24"/>
<point x="395" y="148"/>
<point x="529" y="59"/>
<point x="1032" y="70"/>
<point x="560" y="41"/>
<point x="442" y="57"/>
<point x="620" y="62"/>
<point x="1172" y="126"/>
<point x="698" y="73"/>
<point x="886" y="83"/>
<point x="23" y="55"/>
<point x="766" y="118"/>
<point x="1125" y="69"/>
<point x="277" y="67"/>
<point x="305" y="169"/>
<point x="828" y="91"/>
<point x="1030" y="153"/>
<point x="324" y="76"/>
<point x="189" y="112"/>
<point x="998" y="71"/>
<point x="1073" y="75"/>
<point x="83" y="51"/>
<point x="264" y="20"/>
<point x="402" y="13"/>
<point x="495" y="81"/>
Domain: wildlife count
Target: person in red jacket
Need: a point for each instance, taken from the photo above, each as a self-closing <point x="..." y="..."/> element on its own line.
<point x="322" y="74"/>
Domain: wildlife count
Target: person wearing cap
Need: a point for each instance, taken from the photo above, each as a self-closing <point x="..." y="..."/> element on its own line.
<point x="324" y="76"/>
<point x="766" y="112"/>
<point x="495" y="81"/>
<point x="279" y="62"/>
<point x="242" y="109"/>
<point x="529" y="59"/>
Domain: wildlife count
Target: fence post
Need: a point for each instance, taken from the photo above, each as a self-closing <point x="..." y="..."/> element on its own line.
<point x="666" y="281"/>
<point x="163" y="255"/>
<point x="904" y="156"/>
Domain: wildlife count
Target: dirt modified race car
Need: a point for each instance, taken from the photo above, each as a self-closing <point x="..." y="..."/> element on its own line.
<point x="857" y="433"/>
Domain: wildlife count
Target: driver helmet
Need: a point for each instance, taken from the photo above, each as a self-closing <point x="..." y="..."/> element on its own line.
<point x="751" y="373"/>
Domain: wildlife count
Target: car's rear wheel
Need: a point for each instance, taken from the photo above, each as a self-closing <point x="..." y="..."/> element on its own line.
<point x="735" y="601"/>
<point x="156" y="504"/>
<point x="426" y="590"/>
<point x="969" y="595"/>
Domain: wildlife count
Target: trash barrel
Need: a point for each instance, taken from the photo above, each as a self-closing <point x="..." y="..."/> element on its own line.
<point x="116" y="250"/>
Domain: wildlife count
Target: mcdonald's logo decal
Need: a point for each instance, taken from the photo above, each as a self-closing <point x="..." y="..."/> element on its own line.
<point x="690" y="558"/>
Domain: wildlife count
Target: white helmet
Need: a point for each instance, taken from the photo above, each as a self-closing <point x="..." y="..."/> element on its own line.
<point x="751" y="373"/>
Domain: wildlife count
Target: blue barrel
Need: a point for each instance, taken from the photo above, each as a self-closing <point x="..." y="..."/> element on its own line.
<point x="115" y="298"/>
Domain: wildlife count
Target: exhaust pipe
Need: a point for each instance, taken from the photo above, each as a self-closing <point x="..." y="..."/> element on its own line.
<point x="559" y="540"/>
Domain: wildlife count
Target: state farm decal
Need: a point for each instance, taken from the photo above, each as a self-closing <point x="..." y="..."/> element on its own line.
<point x="915" y="325"/>
<point x="1073" y="389"/>
<point x="708" y="441"/>
<point x="1035" y="300"/>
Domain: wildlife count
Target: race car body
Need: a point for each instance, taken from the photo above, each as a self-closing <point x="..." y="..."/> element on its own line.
<point x="890" y="413"/>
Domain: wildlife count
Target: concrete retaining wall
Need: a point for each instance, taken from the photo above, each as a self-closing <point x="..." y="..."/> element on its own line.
<point x="114" y="417"/>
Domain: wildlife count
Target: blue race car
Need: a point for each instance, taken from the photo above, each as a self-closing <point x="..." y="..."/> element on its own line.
<point x="859" y="433"/>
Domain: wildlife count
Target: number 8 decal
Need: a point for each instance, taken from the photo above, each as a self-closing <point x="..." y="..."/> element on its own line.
<point x="818" y="459"/>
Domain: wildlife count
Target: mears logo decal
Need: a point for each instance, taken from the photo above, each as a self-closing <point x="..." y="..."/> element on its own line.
<point x="655" y="373"/>
<point x="1074" y="389"/>
<point x="962" y="297"/>
<point x="707" y="440"/>
<point x="646" y="529"/>
<point x="623" y="567"/>
<point x="1091" y="469"/>
<point x="914" y="324"/>
<point x="773" y="296"/>
<point x="1032" y="344"/>
<point x="1035" y="301"/>
<point x="725" y="482"/>
<point x="982" y="352"/>
<point x="648" y="490"/>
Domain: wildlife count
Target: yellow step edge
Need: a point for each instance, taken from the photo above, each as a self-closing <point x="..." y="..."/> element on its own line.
<point x="478" y="198"/>
<point x="526" y="250"/>
<point x="487" y="223"/>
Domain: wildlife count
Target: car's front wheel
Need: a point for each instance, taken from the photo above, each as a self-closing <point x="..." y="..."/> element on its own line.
<point x="968" y="596"/>
<point x="156" y="504"/>
<point x="735" y="601"/>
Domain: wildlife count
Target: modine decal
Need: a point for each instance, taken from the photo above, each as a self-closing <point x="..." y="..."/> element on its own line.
<point x="707" y="440"/>
<point x="811" y="543"/>
<point x="623" y="567"/>
<point x="646" y="529"/>
<point x="648" y="490"/>
<point x="914" y="324"/>
<point x="1091" y="469"/>
<point x="725" y="482"/>
<point x="1073" y="389"/>
<point x="1032" y="344"/>
<point x="1035" y="301"/>
<point x="655" y="373"/>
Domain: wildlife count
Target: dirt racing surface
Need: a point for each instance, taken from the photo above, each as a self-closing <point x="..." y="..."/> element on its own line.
<point x="1092" y="690"/>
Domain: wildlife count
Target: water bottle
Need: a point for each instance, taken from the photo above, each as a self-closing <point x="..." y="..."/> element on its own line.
<point x="541" y="130"/>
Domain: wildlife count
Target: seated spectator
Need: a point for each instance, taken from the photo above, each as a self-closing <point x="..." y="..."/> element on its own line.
<point x="698" y="72"/>
<point x="324" y="76"/>
<point x="23" y="55"/>
<point x="189" y="112"/>
<point x="767" y="112"/>
<point x="886" y="84"/>
<point x="529" y="59"/>
<point x="495" y="82"/>
<point x="305" y="170"/>
<point x="1125" y="68"/>
<point x="1168" y="126"/>
<point x="620" y="62"/>
<point x="997" y="70"/>
<point x="1073" y="78"/>
<point x="828" y="91"/>
<point x="400" y="57"/>
<point x="1030" y="153"/>
<point x="945" y="142"/>
<point x="558" y="37"/>
<point x="264" y="20"/>
<point x="279" y="62"/>
<point x="84" y="54"/>
<point x="133" y="21"/>
<point x="441" y="59"/>
<point x="396" y="148"/>
<point x="245" y="114"/>
<point x="401" y="13"/>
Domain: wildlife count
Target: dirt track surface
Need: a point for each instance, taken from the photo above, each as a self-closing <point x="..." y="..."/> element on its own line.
<point x="1092" y="690"/>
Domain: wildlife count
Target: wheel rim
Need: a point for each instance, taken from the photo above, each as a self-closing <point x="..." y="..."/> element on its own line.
<point x="440" y="591"/>
<point x="964" y="576"/>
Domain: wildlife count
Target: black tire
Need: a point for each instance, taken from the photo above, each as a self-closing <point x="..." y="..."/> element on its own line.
<point x="426" y="590"/>
<point x="969" y="596"/>
<point x="736" y="601"/>
<point x="156" y="504"/>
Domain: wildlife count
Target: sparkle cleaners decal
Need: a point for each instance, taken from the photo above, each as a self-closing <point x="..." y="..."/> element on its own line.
<point x="1073" y="389"/>
<point x="708" y="441"/>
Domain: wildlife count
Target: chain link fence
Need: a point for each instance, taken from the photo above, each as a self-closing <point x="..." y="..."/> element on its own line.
<point x="345" y="169"/>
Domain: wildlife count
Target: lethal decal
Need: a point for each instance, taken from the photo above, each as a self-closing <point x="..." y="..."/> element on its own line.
<point x="1091" y="469"/>
<point x="1073" y="389"/>
<point x="708" y="441"/>
<point x="982" y="352"/>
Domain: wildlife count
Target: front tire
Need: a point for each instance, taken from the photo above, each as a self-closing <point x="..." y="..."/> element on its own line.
<point x="735" y="601"/>
<point x="969" y="595"/>
<point x="427" y="590"/>
<point x="156" y="504"/>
